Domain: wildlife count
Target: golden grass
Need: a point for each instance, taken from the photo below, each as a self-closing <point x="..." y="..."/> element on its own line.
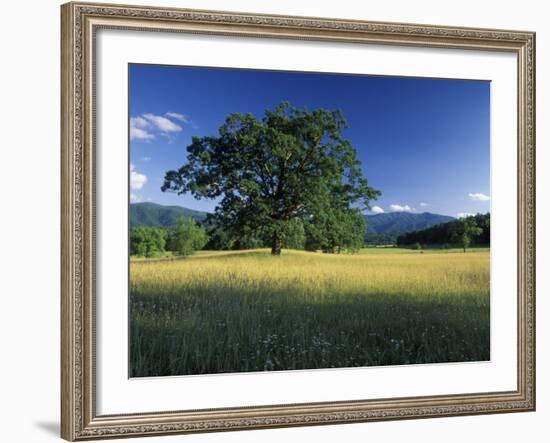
<point x="316" y="273"/>
<point x="214" y="311"/>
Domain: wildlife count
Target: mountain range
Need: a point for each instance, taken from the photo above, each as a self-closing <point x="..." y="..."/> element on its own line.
<point x="400" y="222"/>
<point x="153" y="214"/>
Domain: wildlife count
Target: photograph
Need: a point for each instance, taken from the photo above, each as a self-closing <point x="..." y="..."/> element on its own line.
<point x="286" y="220"/>
<point x="271" y="219"/>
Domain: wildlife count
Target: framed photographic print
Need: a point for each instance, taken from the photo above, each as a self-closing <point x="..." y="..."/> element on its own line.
<point x="282" y="221"/>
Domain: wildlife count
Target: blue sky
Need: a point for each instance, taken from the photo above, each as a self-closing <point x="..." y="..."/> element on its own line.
<point x="425" y="143"/>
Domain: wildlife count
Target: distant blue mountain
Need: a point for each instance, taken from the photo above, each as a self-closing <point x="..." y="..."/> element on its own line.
<point x="153" y="214"/>
<point x="401" y="222"/>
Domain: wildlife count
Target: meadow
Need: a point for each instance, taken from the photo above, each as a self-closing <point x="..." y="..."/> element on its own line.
<point x="242" y="311"/>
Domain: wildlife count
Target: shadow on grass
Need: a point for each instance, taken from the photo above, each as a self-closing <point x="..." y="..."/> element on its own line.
<point x="223" y="329"/>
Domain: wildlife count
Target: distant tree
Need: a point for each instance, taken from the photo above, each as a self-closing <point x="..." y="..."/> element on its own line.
<point x="219" y="239"/>
<point x="483" y="221"/>
<point x="187" y="237"/>
<point x="295" y="234"/>
<point x="247" y="239"/>
<point x="147" y="242"/>
<point x="352" y="230"/>
<point x="336" y="230"/>
<point x="292" y="164"/>
<point x="452" y="232"/>
<point x="464" y="230"/>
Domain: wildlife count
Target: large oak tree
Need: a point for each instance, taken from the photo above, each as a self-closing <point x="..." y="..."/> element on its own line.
<point x="292" y="164"/>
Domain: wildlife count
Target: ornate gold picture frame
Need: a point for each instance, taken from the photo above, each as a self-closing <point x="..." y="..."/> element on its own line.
<point x="80" y="22"/>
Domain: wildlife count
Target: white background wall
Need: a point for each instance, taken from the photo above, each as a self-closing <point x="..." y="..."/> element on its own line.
<point x="29" y="218"/>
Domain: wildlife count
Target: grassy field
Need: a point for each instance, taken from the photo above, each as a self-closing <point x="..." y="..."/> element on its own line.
<point x="240" y="311"/>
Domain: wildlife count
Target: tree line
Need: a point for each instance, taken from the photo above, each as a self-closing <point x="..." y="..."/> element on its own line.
<point x="380" y="238"/>
<point x="475" y="229"/>
<point x="183" y="239"/>
<point x="189" y="236"/>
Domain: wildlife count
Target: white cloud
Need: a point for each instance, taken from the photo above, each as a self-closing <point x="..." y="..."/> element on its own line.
<point x="147" y="126"/>
<point x="377" y="209"/>
<point x="464" y="214"/>
<point x="146" y="159"/>
<point x="137" y="180"/>
<point x="422" y="204"/>
<point x="134" y="198"/>
<point x="138" y="129"/>
<point x="139" y="122"/>
<point x="478" y="196"/>
<point x="181" y="117"/>
<point x="163" y="124"/>
<point x="400" y="208"/>
<point x="140" y="134"/>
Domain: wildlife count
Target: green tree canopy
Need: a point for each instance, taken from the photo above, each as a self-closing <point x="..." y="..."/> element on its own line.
<point x="295" y="236"/>
<point x="464" y="230"/>
<point x="291" y="164"/>
<point x="186" y="237"/>
<point x="147" y="242"/>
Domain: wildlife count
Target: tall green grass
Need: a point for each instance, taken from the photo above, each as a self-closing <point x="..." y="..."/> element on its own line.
<point x="248" y="311"/>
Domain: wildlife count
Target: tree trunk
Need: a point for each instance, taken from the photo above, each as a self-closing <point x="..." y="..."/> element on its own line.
<point x="276" y="245"/>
